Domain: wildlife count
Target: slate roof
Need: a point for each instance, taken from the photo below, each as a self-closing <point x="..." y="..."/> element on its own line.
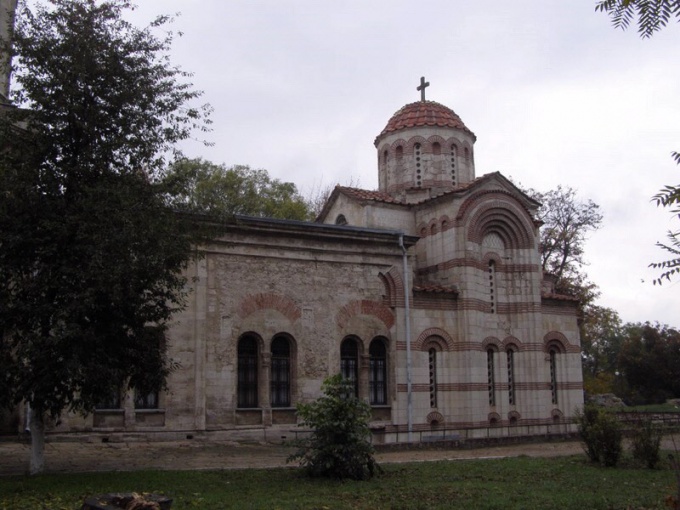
<point x="423" y="113"/>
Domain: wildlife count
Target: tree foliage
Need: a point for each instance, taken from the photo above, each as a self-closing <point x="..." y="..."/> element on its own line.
<point x="648" y="363"/>
<point x="339" y="445"/>
<point x="651" y="15"/>
<point x="601" y="339"/>
<point x="91" y="256"/>
<point x="567" y="222"/>
<point x="203" y="187"/>
<point x="669" y="197"/>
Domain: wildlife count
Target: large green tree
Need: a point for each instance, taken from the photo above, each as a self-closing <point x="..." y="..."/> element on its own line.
<point x="91" y="256"/>
<point x="648" y="363"/>
<point x="651" y="16"/>
<point x="219" y="191"/>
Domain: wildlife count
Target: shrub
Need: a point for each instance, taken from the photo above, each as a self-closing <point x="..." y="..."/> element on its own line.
<point x="601" y="435"/>
<point x="339" y="445"/>
<point x="646" y="443"/>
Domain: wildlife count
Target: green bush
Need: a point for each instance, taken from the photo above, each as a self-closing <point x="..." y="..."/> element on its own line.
<point x="339" y="445"/>
<point x="601" y="435"/>
<point x="646" y="443"/>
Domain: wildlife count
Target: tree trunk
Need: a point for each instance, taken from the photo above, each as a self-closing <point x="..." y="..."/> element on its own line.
<point x="37" y="442"/>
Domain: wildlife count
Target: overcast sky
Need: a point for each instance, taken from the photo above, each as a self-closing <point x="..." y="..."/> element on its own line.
<point x="554" y="94"/>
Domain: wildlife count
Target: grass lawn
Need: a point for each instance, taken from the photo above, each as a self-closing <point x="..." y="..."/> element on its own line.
<point x="526" y="483"/>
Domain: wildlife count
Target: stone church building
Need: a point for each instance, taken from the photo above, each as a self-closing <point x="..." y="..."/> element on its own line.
<point x="427" y="294"/>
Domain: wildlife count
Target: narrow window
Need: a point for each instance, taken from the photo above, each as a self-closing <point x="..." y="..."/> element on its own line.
<point x="378" y="372"/>
<point x="492" y="285"/>
<point x="399" y="152"/>
<point x="247" y="372"/>
<point x="511" y="377"/>
<point x="280" y="373"/>
<point x="436" y="149"/>
<point x="432" y="355"/>
<point x="349" y="362"/>
<point x="491" y="378"/>
<point x="553" y="375"/>
<point x="416" y="154"/>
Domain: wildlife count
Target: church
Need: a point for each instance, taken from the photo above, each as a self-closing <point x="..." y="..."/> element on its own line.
<point x="428" y="294"/>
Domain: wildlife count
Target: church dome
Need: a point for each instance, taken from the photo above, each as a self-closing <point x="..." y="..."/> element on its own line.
<point x="423" y="113"/>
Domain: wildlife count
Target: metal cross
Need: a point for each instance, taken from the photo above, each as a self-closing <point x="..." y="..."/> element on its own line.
<point x="422" y="86"/>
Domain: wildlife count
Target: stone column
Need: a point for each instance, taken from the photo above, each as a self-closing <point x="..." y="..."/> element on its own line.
<point x="364" y="368"/>
<point x="264" y="388"/>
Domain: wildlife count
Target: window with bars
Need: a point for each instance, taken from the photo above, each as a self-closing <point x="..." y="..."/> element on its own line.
<point x="511" y="377"/>
<point x="492" y="285"/>
<point x="349" y="362"/>
<point x="112" y="402"/>
<point x="491" y="377"/>
<point x="432" y="364"/>
<point x="553" y="374"/>
<point x="146" y="400"/>
<point x="280" y="373"/>
<point x="377" y="377"/>
<point x="247" y="372"/>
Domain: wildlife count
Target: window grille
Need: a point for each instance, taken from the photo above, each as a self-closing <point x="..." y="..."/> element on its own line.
<point x="247" y="373"/>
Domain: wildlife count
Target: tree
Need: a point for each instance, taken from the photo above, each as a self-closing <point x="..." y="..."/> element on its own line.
<point x="91" y="256"/>
<point x="601" y="338"/>
<point x="669" y="196"/>
<point x="648" y="363"/>
<point x="652" y="16"/>
<point x="203" y="187"/>
<point x="567" y="221"/>
<point x="339" y="446"/>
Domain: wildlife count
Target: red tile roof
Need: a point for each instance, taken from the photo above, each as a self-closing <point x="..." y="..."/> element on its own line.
<point x="364" y="194"/>
<point x="423" y="113"/>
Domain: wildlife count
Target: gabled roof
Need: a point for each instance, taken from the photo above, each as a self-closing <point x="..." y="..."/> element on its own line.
<point x="385" y="198"/>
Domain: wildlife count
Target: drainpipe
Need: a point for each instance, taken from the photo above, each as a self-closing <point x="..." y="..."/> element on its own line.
<point x="407" y="307"/>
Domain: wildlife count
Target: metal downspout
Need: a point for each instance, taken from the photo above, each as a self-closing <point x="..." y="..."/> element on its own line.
<point x="407" y="307"/>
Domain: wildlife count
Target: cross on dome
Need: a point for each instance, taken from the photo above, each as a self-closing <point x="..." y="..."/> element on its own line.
<point x="421" y="87"/>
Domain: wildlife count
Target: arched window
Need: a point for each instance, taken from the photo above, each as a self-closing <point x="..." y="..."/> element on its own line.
<point x="432" y="365"/>
<point x="491" y="376"/>
<point x="341" y="220"/>
<point x="511" y="377"/>
<point x="377" y="378"/>
<point x="399" y="152"/>
<point x="553" y="373"/>
<point x="247" y="372"/>
<point x="349" y="362"/>
<point x="436" y="149"/>
<point x="280" y="372"/>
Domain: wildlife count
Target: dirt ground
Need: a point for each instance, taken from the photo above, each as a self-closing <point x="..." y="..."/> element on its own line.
<point x="130" y="456"/>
